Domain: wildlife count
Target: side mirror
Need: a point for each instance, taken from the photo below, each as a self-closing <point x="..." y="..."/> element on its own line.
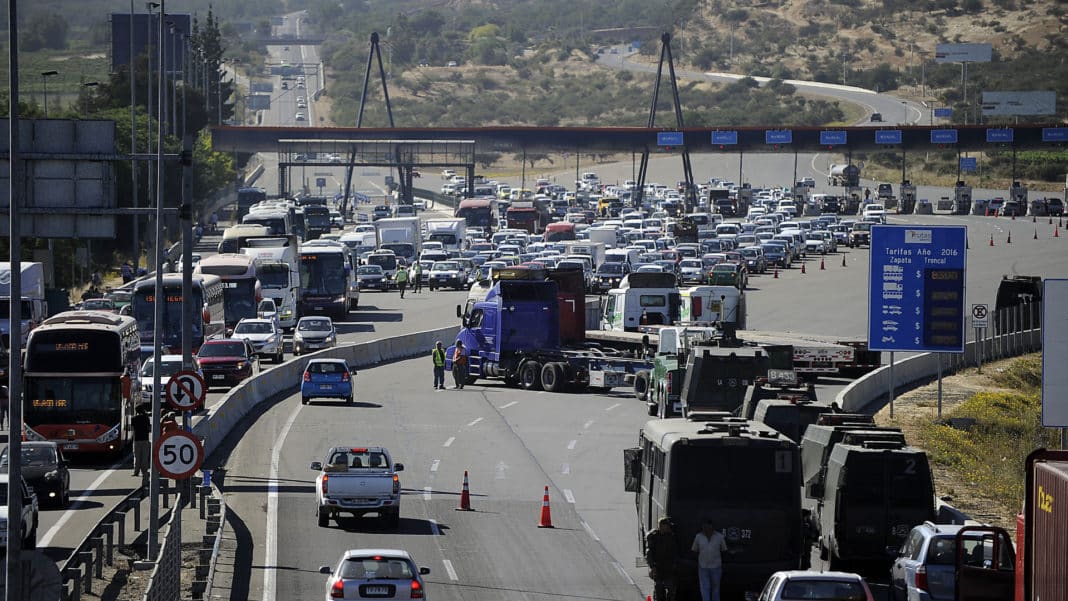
<point x="317" y="466"/>
<point x="398" y="467"/>
<point x="325" y="570"/>
<point x="424" y="571"/>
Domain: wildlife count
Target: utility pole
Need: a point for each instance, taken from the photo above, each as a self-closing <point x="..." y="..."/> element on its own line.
<point x="133" y="149"/>
<point x="153" y="479"/>
<point x="151" y="180"/>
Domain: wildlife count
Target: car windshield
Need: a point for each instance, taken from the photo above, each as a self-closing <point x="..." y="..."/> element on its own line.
<point x="33" y="456"/>
<point x="97" y="304"/>
<point x="827" y="590"/>
<point x="167" y="368"/>
<point x="861" y="226"/>
<point x="313" y="325"/>
<point x="327" y="367"/>
<point x="691" y="264"/>
<point x="376" y="568"/>
<point x="223" y="349"/>
<point x="445" y="266"/>
<point x="255" y="327"/>
<point x="369" y="270"/>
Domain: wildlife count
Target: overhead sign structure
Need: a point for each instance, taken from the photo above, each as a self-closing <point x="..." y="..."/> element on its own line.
<point x="259" y="102"/>
<point x="1054" y="354"/>
<point x="1019" y="103"/>
<point x="964" y="53"/>
<point x="916" y="288"/>
<point x="669" y="138"/>
<point x="178" y="454"/>
<point x="725" y="138"/>
<point x="981" y="316"/>
<point x="888" y="136"/>
<point x="185" y="391"/>
<point x="969" y="164"/>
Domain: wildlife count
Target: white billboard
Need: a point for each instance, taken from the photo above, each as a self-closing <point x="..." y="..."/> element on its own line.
<point x="1019" y="103"/>
<point x="963" y="53"/>
<point x="1054" y="354"/>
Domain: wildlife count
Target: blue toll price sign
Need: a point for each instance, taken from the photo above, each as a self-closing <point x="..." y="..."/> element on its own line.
<point x="888" y="136"/>
<point x="725" y="137"/>
<point x="916" y="288"/>
<point x="1000" y="135"/>
<point x="943" y="136"/>
<point x="832" y="138"/>
<point x="779" y="136"/>
<point x="943" y="113"/>
<point x="669" y="138"/>
<point x="969" y="164"/>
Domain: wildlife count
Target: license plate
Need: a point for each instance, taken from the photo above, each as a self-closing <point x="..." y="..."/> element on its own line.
<point x="318" y="308"/>
<point x="70" y="446"/>
<point x="218" y="376"/>
<point x="325" y="387"/>
<point x="376" y="590"/>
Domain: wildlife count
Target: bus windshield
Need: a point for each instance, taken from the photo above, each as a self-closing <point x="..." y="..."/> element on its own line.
<point x="239" y="299"/>
<point x="323" y="274"/>
<point x="475" y="216"/>
<point x="276" y="225"/>
<point x="273" y="275"/>
<point x="89" y="400"/>
<point x="171" y="327"/>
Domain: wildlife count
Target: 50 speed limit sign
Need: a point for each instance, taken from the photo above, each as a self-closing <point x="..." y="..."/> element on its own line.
<point x="178" y="454"/>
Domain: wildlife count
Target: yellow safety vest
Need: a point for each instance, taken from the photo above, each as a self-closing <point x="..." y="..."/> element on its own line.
<point x="439" y="357"/>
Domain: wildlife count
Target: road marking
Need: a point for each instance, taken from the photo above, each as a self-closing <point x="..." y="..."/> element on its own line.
<point x="571" y="445"/>
<point x="507" y="405"/>
<point x="69" y="513"/>
<point x="448" y="442"/>
<point x="611" y="407"/>
<point x="586" y="426"/>
<point x="451" y="571"/>
<point x="271" y="551"/>
<point x="565" y="469"/>
<point x="568" y="496"/>
<point x="619" y="568"/>
<point x="435" y="530"/>
<point x="434" y="466"/>
<point x="474" y="421"/>
<point x="500" y="470"/>
<point x="426" y="493"/>
<point x="589" y="530"/>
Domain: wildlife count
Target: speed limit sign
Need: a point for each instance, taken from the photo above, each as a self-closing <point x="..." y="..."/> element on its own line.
<point x="178" y="454"/>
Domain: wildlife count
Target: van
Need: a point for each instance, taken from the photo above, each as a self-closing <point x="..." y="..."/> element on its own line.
<point x="621" y="255"/>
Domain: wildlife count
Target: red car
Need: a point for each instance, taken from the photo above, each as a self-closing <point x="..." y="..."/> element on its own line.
<point x="227" y="362"/>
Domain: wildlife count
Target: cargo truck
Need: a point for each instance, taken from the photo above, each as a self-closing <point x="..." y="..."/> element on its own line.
<point x="34" y="307"/>
<point x="278" y="269"/>
<point x="402" y="235"/>
<point x="450" y="232"/>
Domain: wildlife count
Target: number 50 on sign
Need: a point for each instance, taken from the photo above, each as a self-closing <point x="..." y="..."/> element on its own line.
<point x="178" y="454"/>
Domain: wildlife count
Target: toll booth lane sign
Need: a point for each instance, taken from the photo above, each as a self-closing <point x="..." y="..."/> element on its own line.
<point x="916" y="288"/>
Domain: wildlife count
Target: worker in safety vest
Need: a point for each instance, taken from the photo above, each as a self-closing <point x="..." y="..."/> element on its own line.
<point x="438" y="354"/>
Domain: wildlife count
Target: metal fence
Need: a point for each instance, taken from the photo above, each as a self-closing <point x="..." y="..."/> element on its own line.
<point x="165" y="584"/>
<point x="87" y="561"/>
<point x="1013" y="331"/>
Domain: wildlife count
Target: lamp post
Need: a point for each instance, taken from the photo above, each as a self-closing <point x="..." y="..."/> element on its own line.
<point x="44" y="80"/>
<point x="85" y="92"/>
<point x="133" y="147"/>
<point x="149" y="6"/>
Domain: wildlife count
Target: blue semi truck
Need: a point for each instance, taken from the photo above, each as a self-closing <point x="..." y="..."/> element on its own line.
<point x="514" y="335"/>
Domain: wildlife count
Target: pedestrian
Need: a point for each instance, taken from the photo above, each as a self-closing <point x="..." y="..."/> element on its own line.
<point x="438" y="355"/>
<point x="214" y="220"/>
<point x="142" y="426"/>
<point x="402" y="279"/>
<point x="417" y="277"/>
<point x="661" y="554"/>
<point x="5" y="404"/>
<point x="459" y="365"/>
<point x="709" y="546"/>
<point x="127" y="271"/>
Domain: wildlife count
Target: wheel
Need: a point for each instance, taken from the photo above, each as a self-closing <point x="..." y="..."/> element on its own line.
<point x="552" y="377"/>
<point x="323" y="517"/>
<point x="641" y="385"/>
<point x="281" y="357"/>
<point x="470" y="379"/>
<point x="304" y="400"/>
<point x="64" y="501"/>
<point x="530" y="375"/>
<point x="351" y="398"/>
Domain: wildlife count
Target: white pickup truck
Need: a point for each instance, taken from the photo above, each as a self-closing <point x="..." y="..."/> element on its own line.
<point x="29" y="514"/>
<point x="357" y="480"/>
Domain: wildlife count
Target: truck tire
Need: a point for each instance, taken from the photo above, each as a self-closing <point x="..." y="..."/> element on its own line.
<point x="552" y="377"/>
<point x="530" y="375"/>
<point x="641" y="385"/>
<point x="323" y="517"/>
<point x="470" y="379"/>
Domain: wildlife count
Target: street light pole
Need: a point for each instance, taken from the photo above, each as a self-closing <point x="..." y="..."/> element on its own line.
<point x="150" y="6"/>
<point x="133" y="148"/>
<point x="44" y="80"/>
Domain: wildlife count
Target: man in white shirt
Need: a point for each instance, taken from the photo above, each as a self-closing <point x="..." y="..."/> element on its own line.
<point x="709" y="546"/>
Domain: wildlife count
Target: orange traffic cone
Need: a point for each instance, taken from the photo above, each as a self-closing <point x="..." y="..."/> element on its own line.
<point x="465" y="496"/>
<point x="991" y="239"/>
<point x="1009" y="241"/>
<point x="1057" y="232"/>
<point x="802" y="268"/>
<point x="843" y="261"/>
<point x="775" y="276"/>
<point x="822" y="266"/>
<point x="546" y="520"/>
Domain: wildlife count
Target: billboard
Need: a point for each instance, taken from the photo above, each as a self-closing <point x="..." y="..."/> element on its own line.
<point x="121" y="32"/>
<point x="1019" y="103"/>
<point x="963" y="53"/>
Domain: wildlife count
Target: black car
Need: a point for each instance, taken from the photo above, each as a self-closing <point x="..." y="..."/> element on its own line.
<point x="45" y="469"/>
<point x="1054" y="207"/>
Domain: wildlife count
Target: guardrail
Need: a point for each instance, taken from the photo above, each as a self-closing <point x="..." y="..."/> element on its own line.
<point x="438" y="198"/>
<point x="212" y="509"/>
<point x="87" y="560"/>
<point x="164" y="584"/>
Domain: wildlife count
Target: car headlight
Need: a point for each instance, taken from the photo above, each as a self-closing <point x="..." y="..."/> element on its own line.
<point x="287" y="313"/>
<point x="297" y="337"/>
<point x="52" y="475"/>
<point x="110" y="435"/>
<point x="241" y="364"/>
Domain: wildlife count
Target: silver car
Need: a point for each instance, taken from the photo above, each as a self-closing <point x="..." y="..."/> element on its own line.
<point x="312" y="334"/>
<point x="375" y="574"/>
<point x="264" y="335"/>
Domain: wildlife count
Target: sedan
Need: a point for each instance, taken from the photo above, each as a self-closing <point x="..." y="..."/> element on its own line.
<point x="796" y="584"/>
<point x="227" y="362"/>
<point x="371" y="277"/>
<point x="45" y="470"/>
<point x="692" y="270"/>
<point x="300" y="116"/>
<point x="265" y="336"/>
<point x="327" y="378"/>
<point x="313" y="333"/>
<point x="755" y="261"/>
<point x="375" y="574"/>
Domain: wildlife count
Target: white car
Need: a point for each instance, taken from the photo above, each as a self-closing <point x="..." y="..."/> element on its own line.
<point x="816" y="243"/>
<point x="447" y="274"/>
<point x="874" y="212"/>
<point x="169" y="365"/>
<point x="375" y="574"/>
<point x="797" y="584"/>
<point x="264" y="335"/>
<point x="300" y="116"/>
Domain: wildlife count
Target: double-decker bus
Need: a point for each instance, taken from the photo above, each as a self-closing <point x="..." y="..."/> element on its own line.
<point x="241" y="288"/>
<point x="80" y="375"/>
<point x="207" y="301"/>
<point x="325" y="271"/>
<point x="477" y="212"/>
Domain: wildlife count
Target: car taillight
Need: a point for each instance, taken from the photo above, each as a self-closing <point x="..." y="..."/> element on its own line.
<point x="396" y="484"/>
<point x="417" y="589"/>
<point x="338" y="590"/>
<point x="307" y="376"/>
<point x="325" y="487"/>
<point x="921" y="578"/>
<point x="344" y="376"/>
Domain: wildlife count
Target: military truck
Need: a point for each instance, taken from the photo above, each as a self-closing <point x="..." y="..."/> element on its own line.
<point x="778" y="384"/>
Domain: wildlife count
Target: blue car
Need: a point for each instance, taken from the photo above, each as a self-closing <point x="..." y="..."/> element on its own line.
<point x="327" y="378"/>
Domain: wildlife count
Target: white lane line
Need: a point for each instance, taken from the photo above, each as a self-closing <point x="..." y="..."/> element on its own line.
<point x="45" y="540"/>
<point x="586" y="426"/>
<point x="568" y="496"/>
<point x="619" y="568"/>
<point x="611" y="407"/>
<point x="426" y="493"/>
<point x="499" y="470"/>
<point x="590" y="531"/>
<point x="434" y="466"/>
<point x="474" y="421"/>
<point x="448" y="442"/>
<point x="271" y="552"/>
<point x="451" y="571"/>
<point x="565" y="469"/>
<point x="435" y="530"/>
<point x="507" y="405"/>
<point x="571" y="445"/>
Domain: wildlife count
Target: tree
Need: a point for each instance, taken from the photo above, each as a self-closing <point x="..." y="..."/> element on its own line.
<point x="44" y="30"/>
<point x="207" y="43"/>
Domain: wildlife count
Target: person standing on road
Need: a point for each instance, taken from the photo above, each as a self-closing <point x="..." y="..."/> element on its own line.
<point x="662" y="554"/>
<point x="417" y="277"/>
<point x="142" y="427"/>
<point x="459" y="366"/>
<point x="402" y="279"/>
<point x="709" y="546"/>
<point x="438" y="355"/>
